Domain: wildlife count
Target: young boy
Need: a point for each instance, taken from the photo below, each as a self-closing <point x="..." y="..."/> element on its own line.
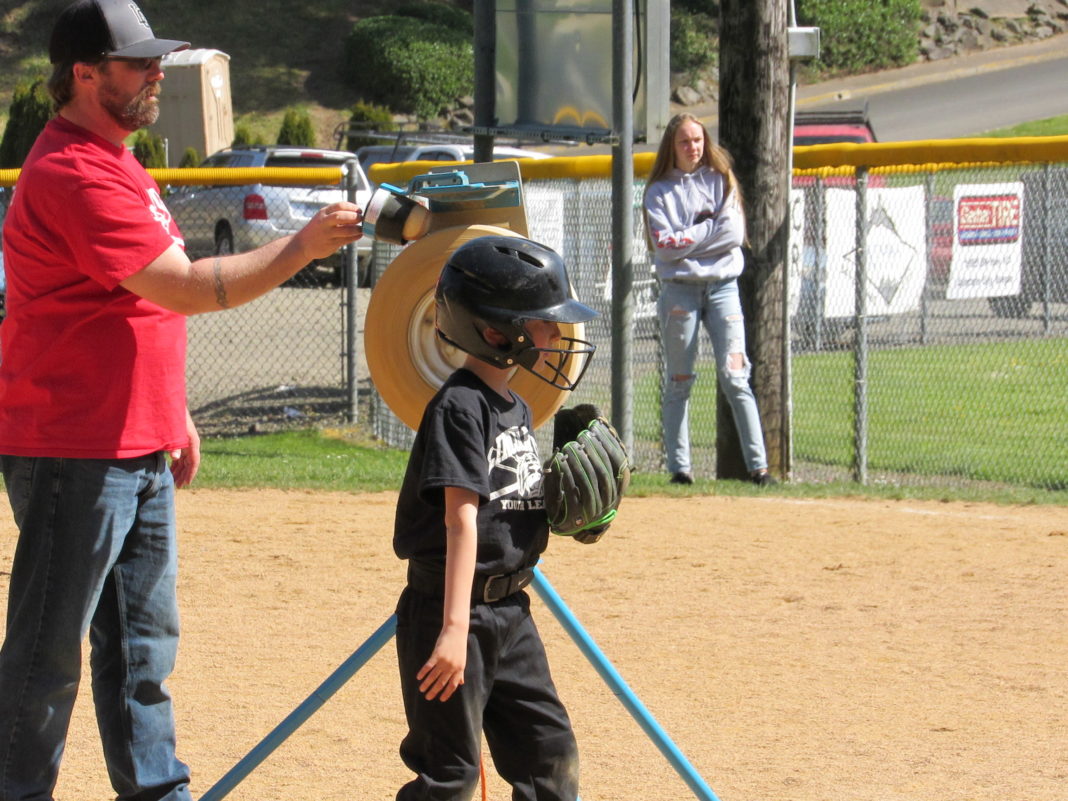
<point x="471" y="523"/>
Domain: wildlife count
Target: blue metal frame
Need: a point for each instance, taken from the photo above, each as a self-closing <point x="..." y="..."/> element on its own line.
<point x="385" y="632"/>
<point x="615" y="683"/>
<point x="305" y="710"/>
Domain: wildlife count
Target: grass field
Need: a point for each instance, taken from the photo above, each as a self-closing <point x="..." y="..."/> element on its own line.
<point x="984" y="413"/>
<point x="991" y="413"/>
<point x="1053" y="126"/>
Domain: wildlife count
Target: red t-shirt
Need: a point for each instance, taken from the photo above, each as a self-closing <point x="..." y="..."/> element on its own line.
<point x="87" y="369"/>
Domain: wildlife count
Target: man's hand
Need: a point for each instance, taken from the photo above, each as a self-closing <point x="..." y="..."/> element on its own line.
<point x="186" y="462"/>
<point x="332" y="227"/>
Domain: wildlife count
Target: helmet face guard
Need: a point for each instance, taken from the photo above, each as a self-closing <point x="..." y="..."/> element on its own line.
<point x="502" y="283"/>
<point x="562" y="366"/>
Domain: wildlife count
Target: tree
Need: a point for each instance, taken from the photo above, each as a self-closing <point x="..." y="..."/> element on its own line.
<point x="243" y="136"/>
<point x="31" y="109"/>
<point x="297" y="128"/>
<point x="148" y="149"/>
<point x="754" y="84"/>
<point x="190" y="158"/>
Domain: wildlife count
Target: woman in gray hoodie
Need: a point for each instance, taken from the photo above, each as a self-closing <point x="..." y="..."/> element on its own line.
<point x="696" y="226"/>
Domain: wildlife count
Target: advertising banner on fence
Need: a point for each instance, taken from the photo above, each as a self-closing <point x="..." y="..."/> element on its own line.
<point x="987" y="240"/>
<point x="896" y="261"/>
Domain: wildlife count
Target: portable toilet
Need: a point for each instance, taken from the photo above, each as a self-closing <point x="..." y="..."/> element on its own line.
<point x="195" y="105"/>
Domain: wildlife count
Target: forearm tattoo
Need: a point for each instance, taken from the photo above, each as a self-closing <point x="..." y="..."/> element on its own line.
<point x="220" y="288"/>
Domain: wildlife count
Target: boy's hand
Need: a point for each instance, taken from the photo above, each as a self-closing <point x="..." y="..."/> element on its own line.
<point x="443" y="673"/>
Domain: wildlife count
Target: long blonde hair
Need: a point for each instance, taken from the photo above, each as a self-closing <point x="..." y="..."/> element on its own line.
<point x="713" y="156"/>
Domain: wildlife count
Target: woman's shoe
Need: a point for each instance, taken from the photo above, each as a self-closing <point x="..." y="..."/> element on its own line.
<point x="762" y="478"/>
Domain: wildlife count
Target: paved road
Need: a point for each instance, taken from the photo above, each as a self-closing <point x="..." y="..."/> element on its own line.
<point x="962" y="96"/>
<point x="958" y="97"/>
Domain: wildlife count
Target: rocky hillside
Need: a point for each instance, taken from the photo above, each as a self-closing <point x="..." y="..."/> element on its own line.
<point x="953" y="28"/>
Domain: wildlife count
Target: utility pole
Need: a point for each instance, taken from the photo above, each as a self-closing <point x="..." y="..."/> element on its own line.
<point x="485" y="43"/>
<point x="754" y="125"/>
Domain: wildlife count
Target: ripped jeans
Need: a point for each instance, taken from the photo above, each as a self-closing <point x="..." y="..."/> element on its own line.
<point x="716" y="305"/>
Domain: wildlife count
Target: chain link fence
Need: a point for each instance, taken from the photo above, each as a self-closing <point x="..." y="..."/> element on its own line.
<point x="951" y="367"/>
<point x="955" y="369"/>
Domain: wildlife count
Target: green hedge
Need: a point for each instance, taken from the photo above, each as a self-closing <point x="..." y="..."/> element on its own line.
<point x="409" y="65"/>
<point x="863" y="35"/>
<point x="367" y="116"/>
<point x="439" y="14"/>
<point x="694" y="43"/>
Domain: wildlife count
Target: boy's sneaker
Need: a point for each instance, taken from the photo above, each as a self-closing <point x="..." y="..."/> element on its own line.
<point x="682" y="477"/>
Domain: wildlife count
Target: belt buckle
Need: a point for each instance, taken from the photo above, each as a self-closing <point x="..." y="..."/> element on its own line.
<point x="486" y="597"/>
<point x="514" y="582"/>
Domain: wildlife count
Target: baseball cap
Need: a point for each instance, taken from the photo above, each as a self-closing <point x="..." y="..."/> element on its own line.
<point x="89" y="29"/>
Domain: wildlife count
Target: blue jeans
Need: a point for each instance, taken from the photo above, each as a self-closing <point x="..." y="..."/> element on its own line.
<point x="684" y="307"/>
<point x="96" y="553"/>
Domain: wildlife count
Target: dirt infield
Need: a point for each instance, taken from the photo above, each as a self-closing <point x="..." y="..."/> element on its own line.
<point x="795" y="650"/>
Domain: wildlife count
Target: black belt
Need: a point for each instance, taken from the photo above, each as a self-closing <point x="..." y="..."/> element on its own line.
<point x="430" y="580"/>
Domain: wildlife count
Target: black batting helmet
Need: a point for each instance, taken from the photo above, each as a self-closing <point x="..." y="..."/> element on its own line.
<point x="502" y="282"/>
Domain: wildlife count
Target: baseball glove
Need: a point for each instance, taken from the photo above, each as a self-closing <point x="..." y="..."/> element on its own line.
<point x="585" y="478"/>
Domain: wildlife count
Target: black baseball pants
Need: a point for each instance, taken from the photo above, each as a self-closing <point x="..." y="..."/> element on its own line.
<point x="507" y="693"/>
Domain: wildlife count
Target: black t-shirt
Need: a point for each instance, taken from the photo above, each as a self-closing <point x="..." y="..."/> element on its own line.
<point x="471" y="437"/>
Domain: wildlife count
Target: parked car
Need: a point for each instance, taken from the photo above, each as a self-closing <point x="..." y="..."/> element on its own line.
<point x="441" y="151"/>
<point x="232" y="219"/>
<point x="826" y="127"/>
<point x="830" y="127"/>
<point x="369" y="155"/>
<point x="940" y="237"/>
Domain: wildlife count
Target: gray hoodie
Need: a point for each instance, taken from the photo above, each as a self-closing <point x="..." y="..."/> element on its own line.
<point x="696" y="235"/>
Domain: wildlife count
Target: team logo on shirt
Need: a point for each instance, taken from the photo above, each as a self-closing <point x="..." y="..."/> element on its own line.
<point x="162" y="215"/>
<point x="515" y="454"/>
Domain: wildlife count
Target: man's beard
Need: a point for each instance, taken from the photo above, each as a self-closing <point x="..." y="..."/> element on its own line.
<point x="139" y="113"/>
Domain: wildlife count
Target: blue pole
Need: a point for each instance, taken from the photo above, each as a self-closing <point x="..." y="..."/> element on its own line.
<point x="615" y="682"/>
<point x="305" y="710"/>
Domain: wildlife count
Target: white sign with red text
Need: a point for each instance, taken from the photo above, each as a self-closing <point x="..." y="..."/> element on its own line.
<point x="987" y="240"/>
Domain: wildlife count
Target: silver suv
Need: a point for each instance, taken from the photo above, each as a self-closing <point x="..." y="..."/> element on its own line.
<point x="232" y="219"/>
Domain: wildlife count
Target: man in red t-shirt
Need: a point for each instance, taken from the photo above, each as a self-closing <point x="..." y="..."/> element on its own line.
<point x="92" y="404"/>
